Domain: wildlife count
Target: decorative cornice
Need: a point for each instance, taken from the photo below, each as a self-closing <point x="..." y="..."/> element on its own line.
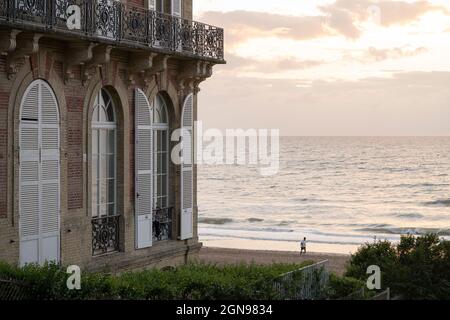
<point x="8" y="41"/>
<point x="26" y="45"/>
<point x="192" y="74"/>
<point x="78" y="53"/>
<point x="101" y="55"/>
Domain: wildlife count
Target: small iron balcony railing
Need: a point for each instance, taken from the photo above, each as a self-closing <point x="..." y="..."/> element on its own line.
<point x="162" y="224"/>
<point x="112" y="21"/>
<point x="105" y="235"/>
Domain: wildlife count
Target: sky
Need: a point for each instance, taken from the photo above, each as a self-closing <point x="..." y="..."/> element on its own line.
<point x="330" y="67"/>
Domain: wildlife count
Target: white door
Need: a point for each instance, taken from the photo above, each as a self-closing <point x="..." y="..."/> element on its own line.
<point x="144" y="173"/>
<point x="39" y="174"/>
<point x="187" y="165"/>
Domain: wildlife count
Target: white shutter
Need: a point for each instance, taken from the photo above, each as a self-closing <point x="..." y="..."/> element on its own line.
<point x="49" y="179"/>
<point x="151" y="4"/>
<point x="176" y="8"/>
<point x="39" y="172"/>
<point x="187" y="164"/>
<point x="144" y="173"/>
<point x="29" y="177"/>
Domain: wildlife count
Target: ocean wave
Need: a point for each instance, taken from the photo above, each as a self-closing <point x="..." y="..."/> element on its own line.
<point x="256" y="237"/>
<point x="216" y="221"/>
<point x="255" y="220"/>
<point x="438" y="203"/>
<point x="419" y="185"/>
<point x="256" y="229"/>
<point x="284" y="223"/>
<point x="410" y="215"/>
<point x="405" y="231"/>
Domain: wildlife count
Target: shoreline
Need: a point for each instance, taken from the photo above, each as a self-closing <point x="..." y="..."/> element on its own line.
<point x="208" y="254"/>
<point x="277" y="246"/>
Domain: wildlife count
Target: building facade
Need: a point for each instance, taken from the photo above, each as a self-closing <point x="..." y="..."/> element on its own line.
<point x="95" y="97"/>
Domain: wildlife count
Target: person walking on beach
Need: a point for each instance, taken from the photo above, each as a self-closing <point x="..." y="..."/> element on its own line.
<point x="303" y="246"/>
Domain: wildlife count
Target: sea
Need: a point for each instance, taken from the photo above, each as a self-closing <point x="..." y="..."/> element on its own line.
<point x="338" y="192"/>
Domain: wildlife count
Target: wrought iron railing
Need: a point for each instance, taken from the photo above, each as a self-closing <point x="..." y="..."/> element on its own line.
<point x="308" y="283"/>
<point x="11" y="290"/>
<point x="162" y="224"/>
<point x="113" y="21"/>
<point x="105" y="235"/>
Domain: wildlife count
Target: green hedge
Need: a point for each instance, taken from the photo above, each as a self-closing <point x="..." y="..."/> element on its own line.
<point x="343" y="287"/>
<point x="193" y="281"/>
<point x="415" y="268"/>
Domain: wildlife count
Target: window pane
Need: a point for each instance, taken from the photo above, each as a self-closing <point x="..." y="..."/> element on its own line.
<point x="111" y="189"/>
<point x="111" y="141"/>
<point x="160" y="186"/>
<point x="110" y="112"/>
<point x="94" y="141"/>
<point x="164" y="163"/>
<point x="160" y="163"/>
<point x="103" y="167"/>
<point x="164" y="202"/>
<point x="94" y="198"/>
<point x="159" y="7"/>
<point x="164" y="140"/>
<point x="105" y="98"/>
<point x="103" y="210"/>
<point x="103" y="191"/>
<point x="95" y="114"/>
<point x="164" y="185"/>
<point x="111" y="167"/>
<point x="111" y="209"/>
<point x="160" y="203"/>
<point x="94" y="168"/>
<point x="103" y="141"/>
<point x="102" y="116"/>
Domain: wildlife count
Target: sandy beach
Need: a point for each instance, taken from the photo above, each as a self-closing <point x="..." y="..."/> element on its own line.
<point x="336" y="262"/>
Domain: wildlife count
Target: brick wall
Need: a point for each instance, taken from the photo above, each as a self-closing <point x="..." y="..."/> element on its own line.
<point x="137" y="3"/>
<point x="187" y="9"/>
<point x="76" y="227"/>
<point x="4" y="101"/>
<point x="187" y="6"/>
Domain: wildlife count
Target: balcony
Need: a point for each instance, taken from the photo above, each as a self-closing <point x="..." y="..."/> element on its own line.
<point x="162" y="224"/>
<point x="112" y="22"/>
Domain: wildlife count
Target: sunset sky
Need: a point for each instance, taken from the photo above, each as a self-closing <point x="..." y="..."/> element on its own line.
<point x="326" y="67"/>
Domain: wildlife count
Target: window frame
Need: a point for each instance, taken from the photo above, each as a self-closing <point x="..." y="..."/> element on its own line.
<point x="157" y="128"/>
<point x="100" y="126"/>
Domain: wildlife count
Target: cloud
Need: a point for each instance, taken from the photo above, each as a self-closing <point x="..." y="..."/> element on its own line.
<point x="342" y="17"/>
<point x="376" y="55"/>
<point x="409" y="103"/>
<point x="242" y="25"/>
<point x="238" y="63"/>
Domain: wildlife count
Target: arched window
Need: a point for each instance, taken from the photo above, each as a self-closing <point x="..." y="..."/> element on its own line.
<point x="104" y="176"/>
<point x="160" y="127"/>
<point x="103" y="157"/>
<point x="39" y="175"/>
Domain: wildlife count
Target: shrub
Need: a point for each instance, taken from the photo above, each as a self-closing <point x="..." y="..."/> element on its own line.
<point x="343" y="287"/>
<point x="415" y="268"/>
<point x="193" y="281"/>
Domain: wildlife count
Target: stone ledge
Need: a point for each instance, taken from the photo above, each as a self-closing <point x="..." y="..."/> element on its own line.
<point x="165" y="256"/>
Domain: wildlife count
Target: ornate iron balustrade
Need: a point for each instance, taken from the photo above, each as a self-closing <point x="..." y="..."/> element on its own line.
<point x="112" y="21"/>
<point x="105" y="235"/>
<point x="162" y="224"/>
